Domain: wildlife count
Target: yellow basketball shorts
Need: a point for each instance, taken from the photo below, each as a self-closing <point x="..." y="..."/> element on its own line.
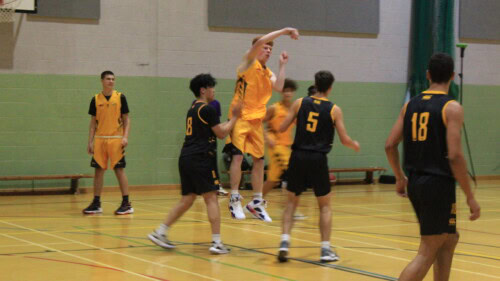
<point x="278" y="161"/>
<point x="248" y="137"/>
<point x="108" y="149"/>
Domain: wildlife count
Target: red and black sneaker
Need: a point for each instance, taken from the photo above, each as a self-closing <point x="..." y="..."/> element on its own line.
<point x="93" y="208"/>
<point x="125" y="208"/>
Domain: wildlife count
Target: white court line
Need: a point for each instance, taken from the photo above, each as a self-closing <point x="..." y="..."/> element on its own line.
<point x="79" y="257"/>
<point x="110" y="251"/>
<point x="349" y="240"/>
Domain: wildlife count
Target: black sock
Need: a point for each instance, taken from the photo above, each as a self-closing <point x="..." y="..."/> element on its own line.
<point x="125" y="199"/>
<point x="97" y="199"/>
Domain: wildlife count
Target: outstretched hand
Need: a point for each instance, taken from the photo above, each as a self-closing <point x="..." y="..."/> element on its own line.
<point x="283" y="58"/>
<point x="294" y="33"/>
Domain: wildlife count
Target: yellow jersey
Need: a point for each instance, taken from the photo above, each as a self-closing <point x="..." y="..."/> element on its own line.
<point x="254" y="88"/>
<point x="280" y="113"/>
<point x="108" y="115"/>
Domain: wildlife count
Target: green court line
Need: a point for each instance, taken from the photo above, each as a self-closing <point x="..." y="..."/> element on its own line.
<point x="190" y="255"/>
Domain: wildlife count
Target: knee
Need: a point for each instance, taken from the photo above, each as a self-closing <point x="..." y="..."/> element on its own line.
<point x="325" y="209"/>
<point x="118" y="171"/>
<point x="237" y="159"/>
<point x="187" y="203"/>
<point x="453" y="238"/>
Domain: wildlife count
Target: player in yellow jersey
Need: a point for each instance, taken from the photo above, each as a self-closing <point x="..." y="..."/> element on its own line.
<point x="108" y="137"/>
<point x="278" y="144"/>
<point x="254" y="86"/>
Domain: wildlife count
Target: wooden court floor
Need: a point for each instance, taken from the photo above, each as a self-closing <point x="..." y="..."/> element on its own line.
<point x="374" y="232"/>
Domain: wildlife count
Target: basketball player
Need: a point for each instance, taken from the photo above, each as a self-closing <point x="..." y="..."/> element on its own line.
<point x="197" y="167"/>
<point x="311" y="90"/>
<point x="429" y="126"/>
<point x="278" y="144"/>
<point x="254" y="86"/>
<point x="317" y="119"/>
<point x="108" y="137"/>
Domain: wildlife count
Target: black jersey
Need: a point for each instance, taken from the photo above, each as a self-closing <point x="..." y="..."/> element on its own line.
<point x="315" y="129"/>
<point x="200" y="139"/>
<point x="424" y="133"/>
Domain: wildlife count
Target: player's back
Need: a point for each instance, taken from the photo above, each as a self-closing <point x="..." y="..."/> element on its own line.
<point x="424" y="134"/>
<point x="199" y="135"/>
<point x="315" y="126"/>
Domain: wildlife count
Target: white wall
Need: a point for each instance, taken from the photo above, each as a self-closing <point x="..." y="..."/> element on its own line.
<point x="170" y="38"/>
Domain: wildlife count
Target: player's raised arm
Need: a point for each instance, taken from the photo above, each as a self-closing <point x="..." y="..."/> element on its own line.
<point x="252" y="53"/>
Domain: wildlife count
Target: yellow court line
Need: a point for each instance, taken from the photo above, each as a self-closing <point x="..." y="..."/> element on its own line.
<point x="79" y="257"/>
<point x="110" y="251"/>
<point x="350" y="249"/>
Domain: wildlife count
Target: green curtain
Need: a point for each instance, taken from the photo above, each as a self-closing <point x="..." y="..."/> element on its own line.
<point x="432" y="31"/>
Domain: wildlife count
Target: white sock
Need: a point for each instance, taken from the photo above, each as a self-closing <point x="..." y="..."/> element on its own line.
<point x="162" y="229"/>
<point x="216" y="238"/>
<point x="285" y="237"/>
<point x="325" y="244"/>
<point x="257" y="195"/>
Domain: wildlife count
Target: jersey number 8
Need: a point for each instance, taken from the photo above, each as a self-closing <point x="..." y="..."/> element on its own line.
<point x="189" y="127"/>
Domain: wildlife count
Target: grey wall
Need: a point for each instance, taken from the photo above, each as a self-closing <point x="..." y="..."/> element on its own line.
<point x="479" y="19"/>
<point x="316" y="15"/>
<point x="79" y="9"/>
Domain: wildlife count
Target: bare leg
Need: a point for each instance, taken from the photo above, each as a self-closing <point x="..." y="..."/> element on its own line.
<point x="325" y="218"/>
<point x="179" y="209"/>
<point x="419" y="266"/>
<point x="213" y="211"/>
<point x="235" y="172"/>
<point x="444" y="258"/>
<point x="268" y="185"/>
<point x="291" y="205"/>
<point x="98" y="181"/>
<point x="257" y="175"/>
<point x="122" y="180"/>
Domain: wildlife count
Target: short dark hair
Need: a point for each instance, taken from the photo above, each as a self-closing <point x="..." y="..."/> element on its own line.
<point x="105" y="73"/>
<point x="203" y="80"/>
<point x="441" y="68"/>
<point x="270" y="43"/>
<point x="311" y="90"/>
<point x="290" y="84"/>
<point x="323" y="80"/>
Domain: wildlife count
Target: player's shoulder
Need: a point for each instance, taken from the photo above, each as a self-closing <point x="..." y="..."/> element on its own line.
<point x="206" y="108"/>
<point x="453" y="107"/>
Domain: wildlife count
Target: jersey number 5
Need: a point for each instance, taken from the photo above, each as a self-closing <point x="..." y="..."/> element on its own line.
<point x="189" y="126"/>
<point x="312" y="122"/>
<point x="419" y="134"/>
